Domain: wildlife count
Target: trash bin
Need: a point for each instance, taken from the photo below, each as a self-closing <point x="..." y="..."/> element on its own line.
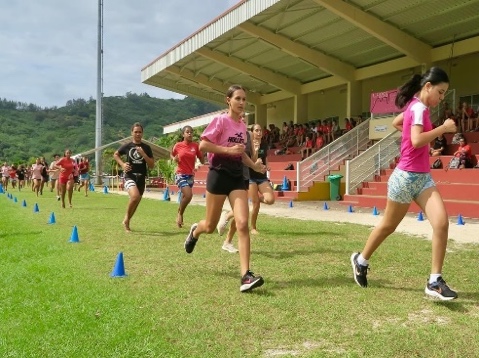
<point x="334" y="184"/>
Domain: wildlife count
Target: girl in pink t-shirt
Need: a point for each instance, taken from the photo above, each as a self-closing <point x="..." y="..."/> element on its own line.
<point x="411" y="179"/>
<point x="224" y="140"/>
<point x="37" y="176"/>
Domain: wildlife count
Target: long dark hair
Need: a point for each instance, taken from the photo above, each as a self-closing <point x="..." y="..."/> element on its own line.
<point x="434" y="75"/>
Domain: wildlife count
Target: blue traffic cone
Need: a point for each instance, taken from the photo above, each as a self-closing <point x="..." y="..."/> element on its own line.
<point x="91" y="187"/>
<point x="291" y="204"/>
<point x="74" y="237"/>
<point x="24" y="203"/>
<point x="325" y="206"/>
<point x="52" y="218"/>
<point x="179" y="196"/>
<point x="105" y="190"/>
<point x="1" y="190"/>
<point x="420" y="217"/>
<point x="15" y="200"/>
<point x="460" y="220"/>
<point x="375" y="211"/>
<point x="119" y="269"/>
<point x="350" y="209"/>
<point x="166" y="194"/>
<point x="35" y="208"/>
<point x="285" y="186"/>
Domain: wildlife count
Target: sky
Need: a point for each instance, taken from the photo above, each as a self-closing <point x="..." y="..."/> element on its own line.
<point x="49" y="48"/>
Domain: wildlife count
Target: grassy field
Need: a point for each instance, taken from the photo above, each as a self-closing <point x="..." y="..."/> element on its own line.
<point x="57" y="298"/>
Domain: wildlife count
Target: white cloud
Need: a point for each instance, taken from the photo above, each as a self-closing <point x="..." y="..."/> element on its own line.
<point x="49" y="47"/>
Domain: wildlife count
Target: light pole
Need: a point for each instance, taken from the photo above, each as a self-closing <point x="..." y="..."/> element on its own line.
<point x="99" y="96"/>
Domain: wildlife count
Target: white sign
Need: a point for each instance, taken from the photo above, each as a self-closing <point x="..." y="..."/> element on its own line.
<point x="382" y="128"/>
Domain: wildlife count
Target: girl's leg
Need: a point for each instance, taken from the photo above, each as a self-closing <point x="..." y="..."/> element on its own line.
<point x="239" y="202"/>
<point x="227" y="244"/>
<point x="253" y="195"/>
<point x="69" y="188"/>
<point x="393" y="215"/>
<point x="186" y="196"/>
<point x="431" y="203"/>
<point x="214" y="206"/>
<point x="135" y="199"/>
<point x="63" y="188"/>
<point x="36" y="186"/>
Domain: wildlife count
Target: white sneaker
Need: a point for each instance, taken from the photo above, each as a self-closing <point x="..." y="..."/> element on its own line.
<point x="222" y="224"/>
<point x="229" y="247"/>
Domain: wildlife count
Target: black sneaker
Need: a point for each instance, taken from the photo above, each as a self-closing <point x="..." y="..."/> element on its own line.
<point x="360" y="272"/>
<point x="250" y="281"/>
<point x="440" y="289"/>
<point x="190" y="241"/>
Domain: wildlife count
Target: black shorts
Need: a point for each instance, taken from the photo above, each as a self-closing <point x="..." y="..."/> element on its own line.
<point x="137" y="180"/>
<point x="221" y="183"/>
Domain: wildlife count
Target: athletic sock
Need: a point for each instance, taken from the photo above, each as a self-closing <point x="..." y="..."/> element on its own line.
<point x="433" y="277"/>
<point x="362" y="261"/>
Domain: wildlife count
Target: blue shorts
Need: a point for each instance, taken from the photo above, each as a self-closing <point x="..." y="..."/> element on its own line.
<point x="85" y="176"/>
<point x="183" y="180"/>
<point x="258" y="181"/>
<point x="404" y="187"/>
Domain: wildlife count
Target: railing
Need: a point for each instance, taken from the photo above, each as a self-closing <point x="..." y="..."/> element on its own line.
<point x="317" y="166"/>
<point x="370" y="163"/>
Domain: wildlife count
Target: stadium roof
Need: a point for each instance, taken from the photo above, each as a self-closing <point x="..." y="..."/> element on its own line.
<point x="281" y="48"/>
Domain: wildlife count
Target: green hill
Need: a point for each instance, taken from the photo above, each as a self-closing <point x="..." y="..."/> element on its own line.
<point x="29" y="131"/>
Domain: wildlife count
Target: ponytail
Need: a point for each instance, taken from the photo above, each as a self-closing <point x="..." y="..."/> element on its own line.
<point x="408" y="90"/>
<point x="434" y="75"/>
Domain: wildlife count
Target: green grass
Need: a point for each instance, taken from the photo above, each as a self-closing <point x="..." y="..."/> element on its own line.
<point x="57" y="298"/>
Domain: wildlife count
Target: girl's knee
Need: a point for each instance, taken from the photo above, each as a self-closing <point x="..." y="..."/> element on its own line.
<point x="268" y="199"/>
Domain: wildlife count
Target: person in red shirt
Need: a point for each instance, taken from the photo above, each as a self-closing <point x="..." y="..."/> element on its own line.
<point x="83" y="169"/>
<point x="307" y="149"/>
<point x="184" y="153"/>
<point x="65" y="180"/>
<point x="347" y="125"/>
<point x="467" y="114"/>
<point x="319" y="142"/>
<point x="464" y="153"/>
<point x="13" y="176"/>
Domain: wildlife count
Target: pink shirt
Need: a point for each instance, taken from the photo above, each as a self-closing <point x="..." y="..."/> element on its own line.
<point x="415" y="159"/>
<point x="37" y="171"/>
<point x="225" y="131"/>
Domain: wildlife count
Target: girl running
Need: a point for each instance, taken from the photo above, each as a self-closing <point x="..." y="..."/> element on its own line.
<point x="411" y="179"/>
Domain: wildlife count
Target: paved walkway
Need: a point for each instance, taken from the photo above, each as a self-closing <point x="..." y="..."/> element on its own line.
<point x="307" y="210"/>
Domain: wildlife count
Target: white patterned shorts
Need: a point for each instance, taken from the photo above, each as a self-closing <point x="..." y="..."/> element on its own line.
<point x="404" y="187"/>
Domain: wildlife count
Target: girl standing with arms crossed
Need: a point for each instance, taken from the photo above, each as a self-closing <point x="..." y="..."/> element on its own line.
<point x="224" y="140"/>
<point x="411" y="179"/>
<point x="184" y="153"/>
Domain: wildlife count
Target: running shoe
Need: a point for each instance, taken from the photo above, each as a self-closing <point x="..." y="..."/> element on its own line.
<point x="440" y="289"/>
<point x="229" y="247"/>
<point x="190" y="241"/>
<point x="360" y="272"/>
<point x="249" y="281"/>
<point x="223" y="223"/>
